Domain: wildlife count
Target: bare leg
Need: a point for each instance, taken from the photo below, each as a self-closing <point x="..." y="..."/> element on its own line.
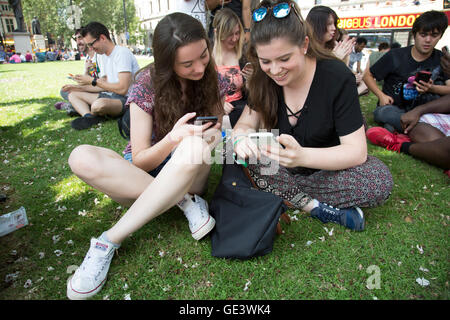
<point x="105" y="106"/>
<point x="424" y="132"/>
<point x="163" y="193"/>
<point x="81" y="101"/>
<point x="108" y="172"/>
<point x="435" y="152"/>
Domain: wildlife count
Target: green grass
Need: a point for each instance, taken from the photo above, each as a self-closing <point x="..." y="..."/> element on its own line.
<point x="162" y="261"/>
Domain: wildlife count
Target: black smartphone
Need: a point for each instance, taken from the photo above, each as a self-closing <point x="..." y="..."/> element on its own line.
<point x="202" y="120"/>
<point x="423" y="75"/>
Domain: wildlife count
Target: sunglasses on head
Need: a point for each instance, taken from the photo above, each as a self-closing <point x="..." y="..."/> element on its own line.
<point x="279" y="11"/>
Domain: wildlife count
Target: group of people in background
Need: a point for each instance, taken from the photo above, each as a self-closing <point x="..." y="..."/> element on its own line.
<point x="267" y="69"/>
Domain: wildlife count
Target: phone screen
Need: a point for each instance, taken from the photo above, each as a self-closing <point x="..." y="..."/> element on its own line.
<point x="203" y="120"/>
<point x="423" y="75"/>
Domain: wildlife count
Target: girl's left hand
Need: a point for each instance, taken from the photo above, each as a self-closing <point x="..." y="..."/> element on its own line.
<point x="288" y="157"/>
<point x="422" y="86"/>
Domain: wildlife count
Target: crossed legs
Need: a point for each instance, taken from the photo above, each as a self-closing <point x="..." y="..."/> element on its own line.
<point x="89" y="102"/>
<point x="108" y="172"/>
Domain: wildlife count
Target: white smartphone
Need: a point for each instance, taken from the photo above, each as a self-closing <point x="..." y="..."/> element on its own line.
<point x="264" y="139"/>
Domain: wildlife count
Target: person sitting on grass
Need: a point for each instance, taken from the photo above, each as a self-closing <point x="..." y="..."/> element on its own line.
<point x="426" y="130"/>
<point x="323" y="168"/>
<point x="91" y="68"/>
<point x="398" y="68"/>
<point x="167" y="161"/>
<point x="105" y="96"/>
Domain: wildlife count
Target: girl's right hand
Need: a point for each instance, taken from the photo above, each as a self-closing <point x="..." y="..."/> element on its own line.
<point x="244" y="147"/>
<point x="182" y="128"/>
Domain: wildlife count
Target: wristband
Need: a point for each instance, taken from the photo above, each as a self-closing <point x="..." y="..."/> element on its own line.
<point x="234" y="143"/>
<point x="234" y="138"/>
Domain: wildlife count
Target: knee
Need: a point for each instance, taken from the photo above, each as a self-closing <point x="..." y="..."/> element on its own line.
<point x="83" y="162"/>
<point x="99" y="107"/>
<point x="378" y="182"/>
<point x="192" y="153"/>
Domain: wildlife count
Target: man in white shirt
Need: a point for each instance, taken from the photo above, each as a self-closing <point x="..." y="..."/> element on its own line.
<point x="105" y="96"/>
<point x="91" y="67"/>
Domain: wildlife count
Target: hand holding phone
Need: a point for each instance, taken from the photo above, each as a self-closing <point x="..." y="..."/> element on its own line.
<point x="423" y="75"/>
<point x="199" y="121"/>
<point x="264" y="139"/>
<point x="247" y="70"/>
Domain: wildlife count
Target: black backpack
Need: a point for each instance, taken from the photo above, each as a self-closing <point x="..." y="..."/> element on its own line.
<point x="124" y="124"/>
<point x="247" y="219"/>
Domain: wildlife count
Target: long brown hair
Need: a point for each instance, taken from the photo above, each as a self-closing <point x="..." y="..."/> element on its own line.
<point x="172" y="32"/>
<point x="318" y="20"/>
<point x="263" y="91"/>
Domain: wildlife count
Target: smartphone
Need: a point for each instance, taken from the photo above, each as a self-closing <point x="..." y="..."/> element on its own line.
<point x="262" y="139"/>
<point x="423" y="75"/>
<point x="248" y="65"/>
<point x="202" y="120"/>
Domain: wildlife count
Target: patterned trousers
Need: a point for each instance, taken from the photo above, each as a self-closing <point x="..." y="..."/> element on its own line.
<point x="366" y="185"/>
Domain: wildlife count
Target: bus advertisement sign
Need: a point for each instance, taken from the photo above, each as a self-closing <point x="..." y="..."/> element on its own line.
<point x="400" y="21"/>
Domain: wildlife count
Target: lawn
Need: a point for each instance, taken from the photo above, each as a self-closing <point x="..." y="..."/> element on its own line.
<point x="405" y="239"/>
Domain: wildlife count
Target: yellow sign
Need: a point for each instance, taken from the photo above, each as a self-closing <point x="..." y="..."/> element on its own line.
<point x="379" y="22"/>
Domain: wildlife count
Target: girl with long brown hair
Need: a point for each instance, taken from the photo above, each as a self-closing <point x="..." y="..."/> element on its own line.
<point x="166" y="162"/>
<point x="301" y="91"/>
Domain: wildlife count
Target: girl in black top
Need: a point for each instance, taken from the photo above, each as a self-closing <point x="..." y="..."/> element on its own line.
<point x="301" y="91"/>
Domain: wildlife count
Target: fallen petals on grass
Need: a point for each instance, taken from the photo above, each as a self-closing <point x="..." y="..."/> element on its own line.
<point x="420" y="249"/>
<point x="28" y="284"/>
<point x="71" y="269"/>
<point x="247" y="284"/>
<point x="330" y="233"/>
<point x="58" y="252"/>
<point x="423" y="282"/>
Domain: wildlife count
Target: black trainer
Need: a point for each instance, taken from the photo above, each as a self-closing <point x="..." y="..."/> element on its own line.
<point x="86" y="122"/>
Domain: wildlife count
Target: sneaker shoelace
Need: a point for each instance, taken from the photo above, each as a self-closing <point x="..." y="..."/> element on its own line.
<point x="331" y="214"/>
<point x="93" y="265"/>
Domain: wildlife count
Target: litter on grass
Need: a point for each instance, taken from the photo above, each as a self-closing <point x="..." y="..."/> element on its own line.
<point x="12" y="221"/>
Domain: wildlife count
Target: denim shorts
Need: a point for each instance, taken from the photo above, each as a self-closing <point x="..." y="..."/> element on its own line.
<point x="154" y="172"/>
<point x="112" y="95"/>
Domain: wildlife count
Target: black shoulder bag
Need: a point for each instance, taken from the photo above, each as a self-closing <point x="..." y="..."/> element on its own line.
<point x="247" y="219"/>
<point x="124" y="124"/>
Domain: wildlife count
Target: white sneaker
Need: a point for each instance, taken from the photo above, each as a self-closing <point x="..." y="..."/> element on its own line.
<point x="90" y="277"/>
<point x="200" y="222"/>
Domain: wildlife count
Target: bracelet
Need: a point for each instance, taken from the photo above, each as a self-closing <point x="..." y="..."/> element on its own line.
<point x="234" y="143"/>
<point x="237" y="136"/>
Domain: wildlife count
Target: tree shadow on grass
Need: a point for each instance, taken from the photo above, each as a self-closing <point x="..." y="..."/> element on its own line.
<point x="37" y="148"/>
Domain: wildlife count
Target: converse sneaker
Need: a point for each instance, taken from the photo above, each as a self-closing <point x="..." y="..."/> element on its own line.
<point x="352" y="218"/>
<point x="196" y="211"/>
<point x="383" y="138"/>
<point x="90" y="277"/>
